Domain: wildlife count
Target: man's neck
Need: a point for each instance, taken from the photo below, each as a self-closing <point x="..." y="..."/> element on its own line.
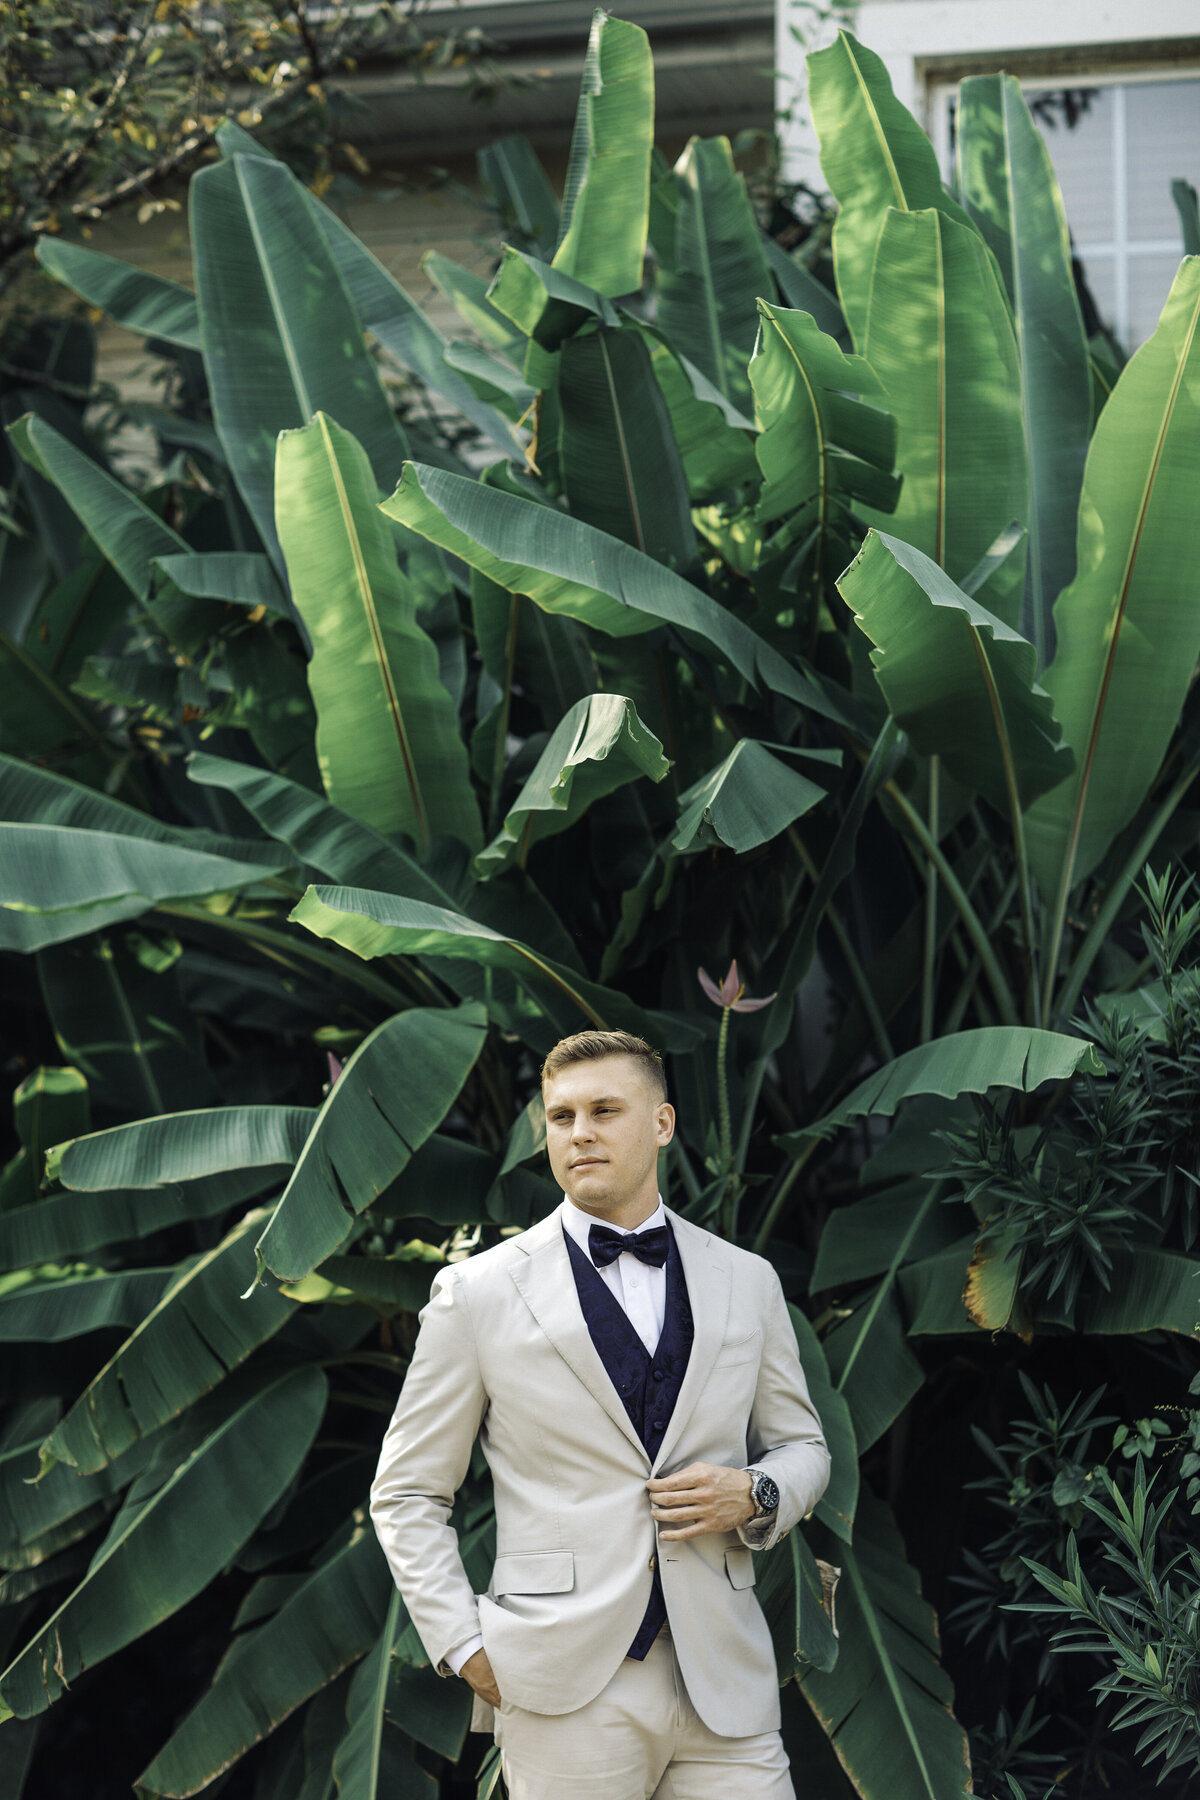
<point x="624" y="1215"/>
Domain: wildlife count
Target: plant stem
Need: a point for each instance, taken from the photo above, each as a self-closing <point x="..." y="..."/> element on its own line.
<point x="858" y="974"/>
<point x="1016" y="818"/>
<point x="930" y="954"/>
<point x="762" y="1236"/>
<point x="1115" y="897"/>
<point x="966" y="912"/>
<point x="729" y="1192"/>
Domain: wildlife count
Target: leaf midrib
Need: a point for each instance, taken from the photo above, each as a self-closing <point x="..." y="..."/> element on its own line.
<point x="367" y="598"/>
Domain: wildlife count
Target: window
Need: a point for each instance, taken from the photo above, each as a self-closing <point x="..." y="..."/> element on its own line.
<point x="1116" y="146"/>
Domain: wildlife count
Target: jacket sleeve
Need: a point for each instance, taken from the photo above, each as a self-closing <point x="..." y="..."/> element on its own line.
<point x="785" y="1437"/>
<point x="425" y="1457"/>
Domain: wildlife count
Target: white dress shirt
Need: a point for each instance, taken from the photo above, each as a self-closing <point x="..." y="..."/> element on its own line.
<point x="641" y="1288"/>
<point x="642" y="1292"/>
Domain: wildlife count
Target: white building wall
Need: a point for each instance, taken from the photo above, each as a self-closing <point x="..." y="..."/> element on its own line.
<point x="913" y="36"/>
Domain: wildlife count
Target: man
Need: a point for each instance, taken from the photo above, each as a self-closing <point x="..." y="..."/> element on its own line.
<point x="635" y="1386"/>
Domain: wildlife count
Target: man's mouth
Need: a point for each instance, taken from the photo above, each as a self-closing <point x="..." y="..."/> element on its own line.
<point x="588" y="1162"/>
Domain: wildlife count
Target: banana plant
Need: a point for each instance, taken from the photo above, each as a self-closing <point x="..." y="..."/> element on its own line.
<point x="738" y="621"/>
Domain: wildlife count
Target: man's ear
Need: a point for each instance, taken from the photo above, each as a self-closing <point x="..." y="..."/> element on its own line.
<point x="664" y="1118"/>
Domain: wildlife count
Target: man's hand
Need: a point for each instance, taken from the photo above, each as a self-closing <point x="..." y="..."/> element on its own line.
<point x="701" y="1498"/>
<point x="477" y="1670"/>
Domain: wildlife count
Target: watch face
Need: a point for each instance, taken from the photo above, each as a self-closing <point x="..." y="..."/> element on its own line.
<point x="766" y="1493"/>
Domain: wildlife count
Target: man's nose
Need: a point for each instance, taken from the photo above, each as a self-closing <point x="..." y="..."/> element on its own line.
<point x="581" y="1130"/>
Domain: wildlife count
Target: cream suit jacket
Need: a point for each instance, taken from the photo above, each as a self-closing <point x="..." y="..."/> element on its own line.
<point x="504" y="1353"/>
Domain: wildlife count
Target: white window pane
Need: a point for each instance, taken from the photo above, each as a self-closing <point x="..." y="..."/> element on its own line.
<point x="1082" y="155"/>
<point x="1150" y="279"/>
<point x="1163" y="143"/>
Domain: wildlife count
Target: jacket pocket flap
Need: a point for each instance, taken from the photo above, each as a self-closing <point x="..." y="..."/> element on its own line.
<point x="739" y="1566"/>
<point x="539" y="1572"/>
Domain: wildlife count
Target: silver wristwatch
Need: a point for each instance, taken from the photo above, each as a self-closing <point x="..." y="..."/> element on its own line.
<point x="763" y="1492"/>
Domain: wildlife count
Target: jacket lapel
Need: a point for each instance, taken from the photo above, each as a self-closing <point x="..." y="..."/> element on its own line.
<point x="546" y="1283"/>
<point x="708" y="1271"/>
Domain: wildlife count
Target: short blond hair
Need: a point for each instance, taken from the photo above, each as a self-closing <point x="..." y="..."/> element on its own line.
<point x="590" y="1046"/>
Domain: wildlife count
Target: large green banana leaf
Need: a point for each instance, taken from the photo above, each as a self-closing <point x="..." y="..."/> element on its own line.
<point x="568" y="567"/>
<point x="184" y="1147"/>
<point x="56" y="870"/>
<point x="800" y="290"/>
<point x="267" y="671"/>
<point x="956" y="678"/>
<point x="133" y="297"/>
<point x="861" y="1239"/>
<point x="351" y="853"/>
<point x="965" y="1062"/>
<point x="1010" y="190"/>
<point x="396" y="1088"/>
<point x="429" y="1710"/>
<point x="716" y="271"/>
<point x="397" y="322"/>
<point x="871" y="1363"/>
<point x="545" y="303"/>
<point x="839" y="1502"/>
<point x="48" y="803"/>
<point x="182" y="1521"/>
<point x="373" y="924"/>
<point x="714" y="440"/>
<point x="326" y="1625"/>
<point x="31" y="796"/>
<point x="976" y="1284"/>
<point x="40" y="1517"/>
<point x="387" y="741"/>
<point x="516" y="180"/>
<point x="240" y="576"/>
<point x="602" y="232"/>
<point x="282" y="340"/>
<point x="467" y="292"/>
<point x="48" y="1105"/>
<point x="520" y="641"/>
<point x="749" y="798"/>
<point x="886" y="1703"/>
<point x="120" y="1015"/>
<point x="187" y="1341"/>
<point x="383" y="306"/>
<point x="1128" y="634"/>
<point x="46" y="1304"/>
<point x="371" y="1761"/>
<point x="72" y="1225"/>
<point x="818" y="445"/>
<point x="315" y="830"/>
<point x="621" y="468"/>
<point x="123" y="527"/>
<point x="489" y="378"/>
<point x="874" y="156"/>
<point x="76" y="617"/>
<point x="40" y="718"/>
<point x="598" y="746"/>
<point x="788" y="1588"/>
<point x="940" y="338"/>
<point x="1151" y="1290"/>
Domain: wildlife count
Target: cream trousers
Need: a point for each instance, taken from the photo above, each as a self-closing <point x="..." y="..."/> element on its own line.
<point x="639" y="1739"/>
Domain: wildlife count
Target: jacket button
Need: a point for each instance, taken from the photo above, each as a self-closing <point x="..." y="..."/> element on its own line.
<point x="658" y="1425"/>
<point x="658" y="1374"/>
<point x="653" y="1563"/>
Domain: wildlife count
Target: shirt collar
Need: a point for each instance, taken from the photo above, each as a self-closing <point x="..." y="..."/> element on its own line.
<point x="577" y="1223"/>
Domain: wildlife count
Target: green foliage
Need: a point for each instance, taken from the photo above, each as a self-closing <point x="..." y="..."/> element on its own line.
<point x="100" y="105"/>
<point x="348" y="766"/>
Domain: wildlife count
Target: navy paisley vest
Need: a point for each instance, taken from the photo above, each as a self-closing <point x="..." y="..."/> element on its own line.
<point x="648" y="1385"/>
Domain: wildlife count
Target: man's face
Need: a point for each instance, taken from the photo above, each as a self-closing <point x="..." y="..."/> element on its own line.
<point x="605" y="1125"/>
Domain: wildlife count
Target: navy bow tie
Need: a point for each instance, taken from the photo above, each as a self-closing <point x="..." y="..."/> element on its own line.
<point x="606" y="1245"/>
